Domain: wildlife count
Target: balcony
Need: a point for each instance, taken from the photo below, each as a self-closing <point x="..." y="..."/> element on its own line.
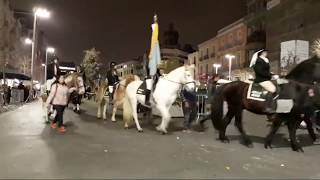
<point x="205" y="57"/>
<point x="257" y="36"/>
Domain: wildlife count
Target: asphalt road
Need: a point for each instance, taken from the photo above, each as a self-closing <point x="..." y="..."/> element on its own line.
<point x="92" y="148"/>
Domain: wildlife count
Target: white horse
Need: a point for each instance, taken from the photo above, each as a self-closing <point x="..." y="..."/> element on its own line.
<point x="163" y="97"/>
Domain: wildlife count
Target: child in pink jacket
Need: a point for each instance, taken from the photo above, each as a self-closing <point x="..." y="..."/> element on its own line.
<point x="58" y="97"/>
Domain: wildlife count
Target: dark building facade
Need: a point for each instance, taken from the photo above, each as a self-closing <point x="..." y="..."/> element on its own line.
<point x="290" y="20"/>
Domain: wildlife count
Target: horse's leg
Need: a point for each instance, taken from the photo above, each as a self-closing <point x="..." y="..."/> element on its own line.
<point x="135" y="114"/>
<point x="227" y="119"/>
<point x="99" y="110"/>
<point x="276" y="124"/>
<point x="292" y="128"/>
<point x="239" y="124"/>
<point x="165" y="119"/>
<point x="114" y="111"/>
<point x="307" y="120"/>
<point x="105" y="106"/>
<point x="149" y="116"/>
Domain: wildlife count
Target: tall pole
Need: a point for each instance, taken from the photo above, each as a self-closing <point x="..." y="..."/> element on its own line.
<point x="230" y="61"/>
<point x="45" y="68"/>
<point x="33" y="52"/>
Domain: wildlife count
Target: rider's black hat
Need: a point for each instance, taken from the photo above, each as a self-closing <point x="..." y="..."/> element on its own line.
<point x="261" y="51"/>
<point x="112" y="64"/>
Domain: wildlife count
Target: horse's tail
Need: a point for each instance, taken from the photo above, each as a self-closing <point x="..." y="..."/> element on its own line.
<point x="217" y="109"/>
<point x="127" y="110"/>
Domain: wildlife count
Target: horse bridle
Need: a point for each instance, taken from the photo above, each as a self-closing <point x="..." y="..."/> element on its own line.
<point x="182" y="84"/>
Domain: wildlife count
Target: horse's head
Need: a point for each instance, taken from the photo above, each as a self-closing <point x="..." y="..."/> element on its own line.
<point x="100" y="90"/>
<point x="306" y="72"/>
<point x="75" y="80"/>
<point x="309" y="70"/>
<point x="188" y="78"/>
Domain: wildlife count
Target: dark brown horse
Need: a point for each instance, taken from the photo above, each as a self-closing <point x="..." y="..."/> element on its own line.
<point x="235" y="95"/>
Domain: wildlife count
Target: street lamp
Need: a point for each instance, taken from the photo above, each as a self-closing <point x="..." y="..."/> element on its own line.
<point x="230" y="57"/>
<point x="28" y="41"/>
<point x="216" y="67"/>
<point x="41" y="13"/>
<point x="48" y="50"/>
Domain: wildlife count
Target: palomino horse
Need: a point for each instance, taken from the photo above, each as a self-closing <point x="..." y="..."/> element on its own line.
<point x="118" y="97"/>
<point x="164" y="95"/>
<point x="235" y="95"/>
<point x="74" y="80"/>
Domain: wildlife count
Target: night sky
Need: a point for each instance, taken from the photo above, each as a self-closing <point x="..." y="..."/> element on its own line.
<point x="121" y="30"/>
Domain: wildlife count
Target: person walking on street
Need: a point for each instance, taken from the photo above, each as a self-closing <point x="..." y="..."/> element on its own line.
<point x="189" y="107"/>
<point x="58" y="97"/>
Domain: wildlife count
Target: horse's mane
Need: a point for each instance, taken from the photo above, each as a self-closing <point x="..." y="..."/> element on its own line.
<point x="306" y="72"/>
<point x="130" y="78"/>
<point x="177" y="70"/>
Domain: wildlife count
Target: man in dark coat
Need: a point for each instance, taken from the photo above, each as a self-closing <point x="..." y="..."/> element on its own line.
<point x="53" y="71"/>
<point x="189" y="107"/>
<point x="261" y="67"/>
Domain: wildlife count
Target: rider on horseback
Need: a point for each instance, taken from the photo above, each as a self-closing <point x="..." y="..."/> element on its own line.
<point x="261" y="67"/>
<point x="53" y="71"/>
<point x="113" y="78"/>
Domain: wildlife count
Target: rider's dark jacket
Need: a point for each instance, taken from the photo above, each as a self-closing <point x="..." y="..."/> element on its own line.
<point x="262" y="71"/>
<point x="50" y="71"/>
<point x="112" y="77"/>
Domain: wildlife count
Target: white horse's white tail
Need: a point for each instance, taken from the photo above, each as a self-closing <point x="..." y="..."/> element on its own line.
<point x="127" y="111"/>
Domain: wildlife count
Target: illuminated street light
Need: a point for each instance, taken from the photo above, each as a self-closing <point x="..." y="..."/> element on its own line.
<point x="28" y="41"/>
<point x="217" y="66"/>
<point x="41" y="13"/>
<point x="230" y="57"/>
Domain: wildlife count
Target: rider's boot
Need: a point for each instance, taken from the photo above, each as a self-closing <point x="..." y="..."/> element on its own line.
<point x="148" y="94"/>
<point x="271" y="103"/>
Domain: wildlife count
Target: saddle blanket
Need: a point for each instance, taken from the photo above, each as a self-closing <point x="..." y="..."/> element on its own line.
<point x="284" y="105"/>
<point x="142" y="88"/>
<point x="256" y="92"/>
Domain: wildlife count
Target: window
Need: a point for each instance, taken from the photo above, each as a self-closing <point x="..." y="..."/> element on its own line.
<point x="131" y="71"/>
<point x="207" y="68"/>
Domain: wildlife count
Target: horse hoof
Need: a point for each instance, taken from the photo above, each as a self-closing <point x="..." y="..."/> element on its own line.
<point x="225" y="140"/>
<point x="267" y="145"/>
<point x="297" y="149"/>
<point x="140" y="130"/>
<point x="113" y="121"/>
<point x="248" y="143"/>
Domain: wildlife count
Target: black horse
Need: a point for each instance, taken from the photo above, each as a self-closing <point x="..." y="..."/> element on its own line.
<point x="300" y="80"/>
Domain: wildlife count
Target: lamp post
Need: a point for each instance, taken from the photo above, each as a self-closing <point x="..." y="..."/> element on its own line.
<point x="51" y="51"/>
<point x="41" y="13"/>
<point x="216" y="67"/>
<point x="230" y="57"/>
<point x="27" y="41"/>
